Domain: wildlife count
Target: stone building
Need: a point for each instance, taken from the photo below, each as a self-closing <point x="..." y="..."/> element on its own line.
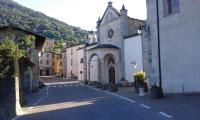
<point x="45" y="63"/>
<point x="45" y="58"/>
<point x="171" y="38"/>
<point x="11" y="91"/>
<point x="30" y="78"/>
<point x="109" y="53"/>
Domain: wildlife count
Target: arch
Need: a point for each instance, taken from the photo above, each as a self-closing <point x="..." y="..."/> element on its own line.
<point x="110" y="68"/>
<point x="109" y="58"/>
<point x="95" y="70"/>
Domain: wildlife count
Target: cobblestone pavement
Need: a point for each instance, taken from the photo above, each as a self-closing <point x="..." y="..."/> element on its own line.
<point x="73" y="101"/>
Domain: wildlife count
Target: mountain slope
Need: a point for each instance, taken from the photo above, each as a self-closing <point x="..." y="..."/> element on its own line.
<point x="12" y="13"/>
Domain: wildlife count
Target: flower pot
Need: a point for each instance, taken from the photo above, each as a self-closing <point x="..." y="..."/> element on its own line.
<point x="99" y="85"/>
<point x="105" y="86"/>
<point x="156" y="92"/>
<point x="113" y="88"/>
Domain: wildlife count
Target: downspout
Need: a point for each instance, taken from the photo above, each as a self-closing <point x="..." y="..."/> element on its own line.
<point x="158" y="33"/>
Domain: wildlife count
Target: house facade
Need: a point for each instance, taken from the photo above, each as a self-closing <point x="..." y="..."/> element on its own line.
<point x="171" y="40"/>
<point x="72" y="61"/>
<point x="46" y="57"/>
<point x="109" y="53"/>
<point x="57" y="64"/>
<point x="45" y="63"/>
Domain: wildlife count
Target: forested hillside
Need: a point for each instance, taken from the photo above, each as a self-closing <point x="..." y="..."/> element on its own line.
<point x="11" y="13"/>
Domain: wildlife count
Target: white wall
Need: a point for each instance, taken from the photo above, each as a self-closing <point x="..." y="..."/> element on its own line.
<point x="94" y="69"/>
<point x="72" y="56"/>
<point x="80" y="65"/>
<point x="133" y="52"/>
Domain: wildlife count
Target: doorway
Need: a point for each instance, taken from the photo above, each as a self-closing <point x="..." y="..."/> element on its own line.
<point x="112" y="75"/>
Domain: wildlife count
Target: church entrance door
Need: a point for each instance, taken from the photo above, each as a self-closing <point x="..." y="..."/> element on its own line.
<point x="112" y="75"/>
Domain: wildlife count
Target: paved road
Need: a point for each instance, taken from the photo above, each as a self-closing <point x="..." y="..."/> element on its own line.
<point x="72" y="101"/>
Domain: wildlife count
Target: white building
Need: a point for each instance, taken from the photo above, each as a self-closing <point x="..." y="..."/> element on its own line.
<point x="132" y="56"/>
<point x="172" y="40"/>
<point x="72" y="61"/>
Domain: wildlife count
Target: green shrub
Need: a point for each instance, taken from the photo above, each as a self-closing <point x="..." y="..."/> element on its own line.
<point x="140" y="76"/>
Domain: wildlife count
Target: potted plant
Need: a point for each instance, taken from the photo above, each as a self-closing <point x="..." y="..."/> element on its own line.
<point x="124" y="82"/>
<point x="113" y="87"/>
<point x="140" y="78"/>
<point x="99" y="85"/>
<point x="105" y="86"/>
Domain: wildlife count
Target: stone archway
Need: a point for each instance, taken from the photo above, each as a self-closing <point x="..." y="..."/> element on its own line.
<point x="94" y="68"/>
<point x="109" y="61"/>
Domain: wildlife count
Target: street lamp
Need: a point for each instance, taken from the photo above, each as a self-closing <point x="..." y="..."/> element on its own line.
<point x="86" y="43"/>
<point x="134" y="63"/>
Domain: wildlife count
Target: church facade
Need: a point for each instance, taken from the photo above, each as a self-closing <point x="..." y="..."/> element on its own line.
<point x="106" y="60"/>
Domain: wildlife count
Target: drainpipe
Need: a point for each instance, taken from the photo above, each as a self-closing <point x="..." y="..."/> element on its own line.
<point x="159" y="53"/>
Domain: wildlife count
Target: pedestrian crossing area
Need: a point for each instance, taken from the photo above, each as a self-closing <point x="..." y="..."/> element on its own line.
<point x="64" y="85"/>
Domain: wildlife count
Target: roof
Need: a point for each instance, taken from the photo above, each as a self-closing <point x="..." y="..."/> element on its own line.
<point x="39" y="41"/>
<point x="131" y="35"/>
<point x="91" y="44"/>
<point x="77" y="44"/>
<point x="115" y="10"/>
<point x="104" y="46"/>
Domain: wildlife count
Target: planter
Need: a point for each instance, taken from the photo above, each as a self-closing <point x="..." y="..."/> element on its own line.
<point x="124" y="83"/>
<point x="105" y="86"/>
<point x="113" y="88"/>
<point x="99" y="85"/>
<point x="156" y="92"/>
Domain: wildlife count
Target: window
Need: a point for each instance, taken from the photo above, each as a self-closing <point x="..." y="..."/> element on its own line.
<point x="47" y="55"/>
<point x="40" y="61"/>
<point x="60" y="62"/>
<point x="94" y="39"/>
<point x="171" y="7"/>
<point x="82" y="60"/>
<point x="47" y="62"/>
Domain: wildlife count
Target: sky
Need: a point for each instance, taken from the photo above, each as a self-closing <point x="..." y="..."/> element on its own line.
<point x="84" y="13"/>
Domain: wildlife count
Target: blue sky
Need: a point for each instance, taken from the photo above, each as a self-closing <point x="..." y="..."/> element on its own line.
<point x="84" y="13"/>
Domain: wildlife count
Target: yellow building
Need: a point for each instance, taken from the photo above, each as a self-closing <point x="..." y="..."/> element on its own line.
<point x="57" y="64"/>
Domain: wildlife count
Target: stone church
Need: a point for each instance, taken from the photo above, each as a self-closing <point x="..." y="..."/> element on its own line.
<point x="106" y="60"/>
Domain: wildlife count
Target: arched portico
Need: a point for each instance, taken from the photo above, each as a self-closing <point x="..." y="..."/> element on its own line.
<point x="107" y="62"/>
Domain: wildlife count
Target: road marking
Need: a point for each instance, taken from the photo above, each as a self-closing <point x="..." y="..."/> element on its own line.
<point x="111" y="94"/>
<point x="60" y="85"/>
<point x="145" y="106"/>
<point x="91" y="87"/>
<point x="165" y="114"/>
<point x="66" y="85"/>
<point x="47" y="91"/>
<point x="120" y="97"/>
